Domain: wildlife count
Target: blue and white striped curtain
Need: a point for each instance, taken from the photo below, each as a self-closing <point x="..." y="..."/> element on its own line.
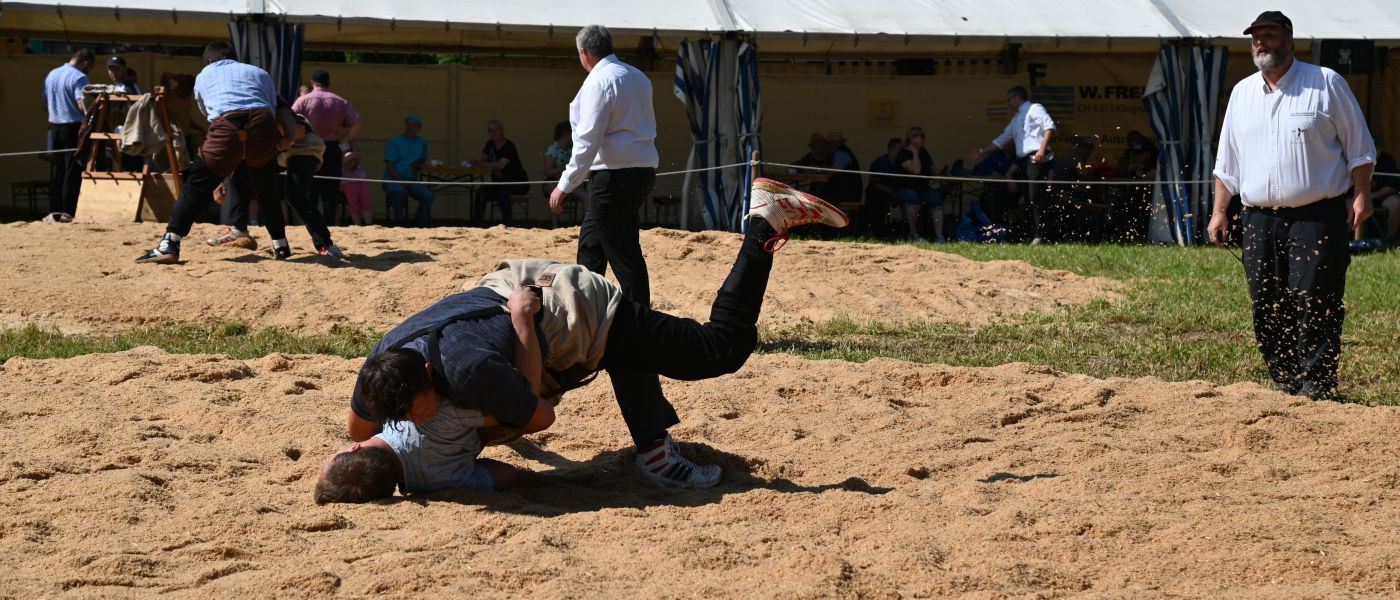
<point x="750" y="119"/>
<point x="1183" y="102"/>
<point x="718" y="84"/>
<point x="272" y="46"/>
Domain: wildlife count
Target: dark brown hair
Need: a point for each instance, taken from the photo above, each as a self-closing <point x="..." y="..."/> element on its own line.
<point x="369" y="473"/>
<point x="388" y="382"/>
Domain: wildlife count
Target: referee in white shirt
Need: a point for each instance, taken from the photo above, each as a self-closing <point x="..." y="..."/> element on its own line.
<point x="1296" y="149"/>
<point x="1030" y="129"/>
<point x="615" y="150"/>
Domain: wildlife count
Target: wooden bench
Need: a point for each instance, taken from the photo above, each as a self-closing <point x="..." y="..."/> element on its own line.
<point x="34" y="191"/>
<point x="667" y="211"/>
<point x="520" y="200"/>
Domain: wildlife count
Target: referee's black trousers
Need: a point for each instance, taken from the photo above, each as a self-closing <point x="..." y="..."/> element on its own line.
<point x="1296" y="262"/>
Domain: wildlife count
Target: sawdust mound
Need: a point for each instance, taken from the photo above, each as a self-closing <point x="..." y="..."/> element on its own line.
<point x="82" y="277"/>
<point x="143" y="472"/>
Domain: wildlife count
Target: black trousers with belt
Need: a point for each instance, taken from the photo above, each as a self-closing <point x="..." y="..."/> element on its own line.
<point x="611" y="235"/>
<point x="65" y="174"/>
<point x="1296" y="262"/>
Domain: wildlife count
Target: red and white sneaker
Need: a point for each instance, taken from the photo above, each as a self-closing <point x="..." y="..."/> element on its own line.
<point x="663" y="464"/>
<point x="228" y="234"/>
<point x="784" y="208"/>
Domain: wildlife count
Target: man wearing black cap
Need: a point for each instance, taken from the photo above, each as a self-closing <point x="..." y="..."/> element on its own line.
<point x="117" y="71"/>
<point x="1295" y="148"/>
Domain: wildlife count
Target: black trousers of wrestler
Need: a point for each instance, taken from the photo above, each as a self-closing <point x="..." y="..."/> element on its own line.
<point x="643" y="342"/>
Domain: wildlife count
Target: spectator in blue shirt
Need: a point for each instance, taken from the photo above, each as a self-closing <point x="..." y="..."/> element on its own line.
<point x="880" y="193"/>
<point x="403" y="157"/>
<point x="63" y="88"/>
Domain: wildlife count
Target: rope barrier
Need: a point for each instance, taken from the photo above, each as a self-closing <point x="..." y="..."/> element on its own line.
<point x="751" y="163"/>
<point x="5" y="154"/>
<point x="987" y="179"/>
<point x="490" y="183"/>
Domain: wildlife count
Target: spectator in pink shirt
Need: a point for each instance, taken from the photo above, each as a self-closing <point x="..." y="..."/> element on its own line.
<point x="337" y="123"/>
<point x="356" y="192"/>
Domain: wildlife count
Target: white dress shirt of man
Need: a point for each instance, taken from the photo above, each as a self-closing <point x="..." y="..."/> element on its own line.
<point x="1029" y="132"/>
<point x="614" y="123"/>
<point x="1293" y="143"/>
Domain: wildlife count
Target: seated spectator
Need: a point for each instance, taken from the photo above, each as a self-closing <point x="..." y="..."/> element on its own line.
<point x="842" y="187"/>
<point x="1139" y="159"/>
<point x="913" y="193"/>
<point x="1385" y="193"/>
<point x="556" y="157"/>
<point x="879" y="195"/>
<point x="818" y="155"/>
<point x="500" y="154"/>
<point x="356" y="192"/>
<point x="403" y="157"/>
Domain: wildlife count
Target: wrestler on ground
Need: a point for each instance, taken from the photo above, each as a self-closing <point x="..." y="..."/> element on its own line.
<point x="503" y="348"/>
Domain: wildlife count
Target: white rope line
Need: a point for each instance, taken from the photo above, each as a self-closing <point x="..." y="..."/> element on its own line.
<point x="489" y="183"/>
<point x="5" y="154"/>
<point x="987" y="179"/>
<point x="948" y="178"/>
<point x="744" y="164"/>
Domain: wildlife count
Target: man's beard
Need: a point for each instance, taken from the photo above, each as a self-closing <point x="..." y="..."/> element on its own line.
<point x="1272" y="59"/>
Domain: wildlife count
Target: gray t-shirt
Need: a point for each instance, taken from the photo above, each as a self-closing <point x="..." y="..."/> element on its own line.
<point x="441" y="454"/>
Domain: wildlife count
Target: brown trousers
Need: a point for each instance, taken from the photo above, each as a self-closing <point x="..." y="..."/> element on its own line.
<point x="238" y="136"/>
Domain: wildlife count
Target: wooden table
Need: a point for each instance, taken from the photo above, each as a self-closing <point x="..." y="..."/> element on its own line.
<point x="445" y="173"/>
<point x="802" y="181"/>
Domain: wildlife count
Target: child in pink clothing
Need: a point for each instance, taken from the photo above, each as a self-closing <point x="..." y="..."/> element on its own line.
<point x="356" y="192"/>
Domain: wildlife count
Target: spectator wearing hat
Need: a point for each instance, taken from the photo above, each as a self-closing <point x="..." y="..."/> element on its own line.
<point x="1295" y="147"/>
<point x="843" y="187"/>
<point x="338" y="123"/>
<point x="403" y="157"/>
<point x="818" y="155"/>
<point x="119" y="73"/>
<point x="63" y="91"/>
<point x="122" y="78"/>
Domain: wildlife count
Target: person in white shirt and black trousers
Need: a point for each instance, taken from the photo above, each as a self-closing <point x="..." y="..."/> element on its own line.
<point x="614" y="133"/>
<point x="1296" y="149"/>
<point x="1028" y="133"/>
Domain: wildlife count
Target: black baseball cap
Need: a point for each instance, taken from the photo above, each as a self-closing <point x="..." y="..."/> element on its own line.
<point x="1271" y="17"/>
<point x="116" y="60"/>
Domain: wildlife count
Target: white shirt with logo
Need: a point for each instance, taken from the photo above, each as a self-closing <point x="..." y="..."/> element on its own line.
<point x="1294" y="145"/>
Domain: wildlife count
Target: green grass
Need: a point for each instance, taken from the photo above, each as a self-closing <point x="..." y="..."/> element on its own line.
<point x="1184" y="315"/>
<point x="231" y="338"/>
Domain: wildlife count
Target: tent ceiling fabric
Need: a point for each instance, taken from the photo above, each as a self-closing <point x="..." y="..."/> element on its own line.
<point x="819" y="25"/>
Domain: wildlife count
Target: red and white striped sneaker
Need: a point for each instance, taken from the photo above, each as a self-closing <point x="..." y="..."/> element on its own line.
<point x="784" y="208"/>
<point x="663" y="464"/>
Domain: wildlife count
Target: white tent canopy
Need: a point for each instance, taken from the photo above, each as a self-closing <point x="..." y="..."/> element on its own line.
<point x="991" y="21"/>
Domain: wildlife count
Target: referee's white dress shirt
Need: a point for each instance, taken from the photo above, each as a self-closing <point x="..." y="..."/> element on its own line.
<point x="614" y="123"/>
<point x="1027" y="127"/>
<point x="1294" y="145"/>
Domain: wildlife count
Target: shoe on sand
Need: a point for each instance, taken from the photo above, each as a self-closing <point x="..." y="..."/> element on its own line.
<point x="784" y="208"/>
<point x="662" y="463"/>
<point x="330" y="250"/>
<point x="165" y="253"/>
<point x="233" y="236"/>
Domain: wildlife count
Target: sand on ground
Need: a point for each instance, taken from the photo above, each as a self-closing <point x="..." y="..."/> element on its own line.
<point x="80" y="277"/>
<point x="142" y="472"/>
